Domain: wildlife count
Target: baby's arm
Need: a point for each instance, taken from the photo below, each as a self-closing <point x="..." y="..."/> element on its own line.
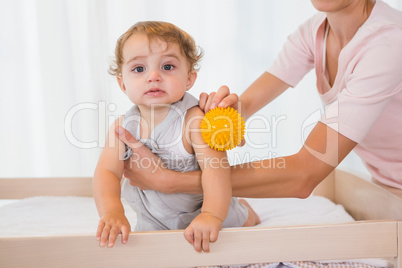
<point x="106" y="190"/>
<point x="216" y="184"/>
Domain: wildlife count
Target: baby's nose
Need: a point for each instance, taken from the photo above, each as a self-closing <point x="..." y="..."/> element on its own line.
<point x="154" y="76"/>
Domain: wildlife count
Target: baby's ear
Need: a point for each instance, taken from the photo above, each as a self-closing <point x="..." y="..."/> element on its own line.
<point x="192" y="76"/>
<point x="121" y="83"/>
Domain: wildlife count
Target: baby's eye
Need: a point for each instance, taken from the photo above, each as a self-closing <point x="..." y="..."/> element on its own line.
<point x="167" y="67"/>
<point x="139" y="69"/>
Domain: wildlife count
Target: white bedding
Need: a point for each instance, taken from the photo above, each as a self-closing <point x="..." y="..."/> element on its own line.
<point x="46" y="215"/>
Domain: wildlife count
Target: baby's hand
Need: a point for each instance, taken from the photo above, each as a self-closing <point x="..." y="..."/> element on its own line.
<point x="110" y="226"/>
<point x="203" y="230"/>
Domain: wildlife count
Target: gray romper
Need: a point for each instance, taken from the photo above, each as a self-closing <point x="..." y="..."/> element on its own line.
<point x="160" y="211"/>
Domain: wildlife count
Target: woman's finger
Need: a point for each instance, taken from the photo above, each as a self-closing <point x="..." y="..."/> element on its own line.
<point x="140" y="150"/>
<point x="242" y="143"/>
<point x="203" y="100"/>
<point x="125" y="136"/>
<point x="209" y="102"/>
<point x="222" y="93"/>
<point x="230" y="101"/>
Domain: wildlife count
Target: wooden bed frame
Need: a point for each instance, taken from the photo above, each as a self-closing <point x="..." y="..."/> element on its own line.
<point x="377" y="233"/>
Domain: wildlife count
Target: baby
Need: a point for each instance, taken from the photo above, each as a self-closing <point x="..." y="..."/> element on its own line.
<point x="155" y="64"/>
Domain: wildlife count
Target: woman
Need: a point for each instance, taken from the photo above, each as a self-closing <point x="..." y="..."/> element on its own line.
<point x="355" y="47"/>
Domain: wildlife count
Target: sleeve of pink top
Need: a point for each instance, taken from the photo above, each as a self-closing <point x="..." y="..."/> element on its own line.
<point x="296" y="58"/>
<point x="374" y="80"/>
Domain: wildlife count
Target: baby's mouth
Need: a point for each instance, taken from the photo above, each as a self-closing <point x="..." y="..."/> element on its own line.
<point x="155" y="92"/>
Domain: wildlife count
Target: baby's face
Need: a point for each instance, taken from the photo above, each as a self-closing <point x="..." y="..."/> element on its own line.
<point x="154" y="72"/>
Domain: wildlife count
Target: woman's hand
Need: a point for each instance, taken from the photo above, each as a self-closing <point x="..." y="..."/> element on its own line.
<point x="223" y="99"/>
<point x="144" y="169"/>
<point x="110" y="226"/>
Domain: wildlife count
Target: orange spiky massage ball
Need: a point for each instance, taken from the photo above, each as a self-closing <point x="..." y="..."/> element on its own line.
<point x="222" y="128"/>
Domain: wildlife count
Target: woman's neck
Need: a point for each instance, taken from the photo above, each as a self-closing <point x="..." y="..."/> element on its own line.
<point x="346" y="22"/>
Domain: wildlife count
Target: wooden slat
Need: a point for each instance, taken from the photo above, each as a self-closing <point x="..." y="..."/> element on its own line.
<point x="17" y="188"/>
<point x="362" y="199"/>
<point x="365" y="200"/>
<point x="327" y="187"/>
<point x="234" y="246"/>
<point x="394" y="191"/>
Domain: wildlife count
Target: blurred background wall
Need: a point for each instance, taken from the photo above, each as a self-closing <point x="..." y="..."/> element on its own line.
<point x="57" y="99"/>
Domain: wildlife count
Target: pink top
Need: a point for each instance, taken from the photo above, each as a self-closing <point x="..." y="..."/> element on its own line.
<point x="365" y="101"/>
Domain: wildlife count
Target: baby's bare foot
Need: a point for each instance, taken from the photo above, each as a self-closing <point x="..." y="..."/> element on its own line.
<point x="252" y="218"/>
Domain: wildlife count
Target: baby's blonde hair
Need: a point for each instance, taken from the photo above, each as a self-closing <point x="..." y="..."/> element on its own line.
<point x="160" y="30"/>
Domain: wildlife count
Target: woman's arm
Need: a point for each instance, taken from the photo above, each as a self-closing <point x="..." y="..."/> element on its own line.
<point x="291" y="176"/>
<point x="264" y="90"/>
<point x="296" y="175"/>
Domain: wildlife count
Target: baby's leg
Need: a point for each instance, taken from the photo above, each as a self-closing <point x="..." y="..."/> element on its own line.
<point x="252" y="218"/>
